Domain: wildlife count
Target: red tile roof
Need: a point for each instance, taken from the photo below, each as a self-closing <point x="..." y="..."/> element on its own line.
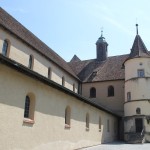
<point x="93" y="70"/>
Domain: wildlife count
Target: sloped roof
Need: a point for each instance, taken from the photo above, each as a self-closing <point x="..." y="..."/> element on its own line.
<point x="75" y="58"/>
<point x="11" y="24"/>
<point x="93" y="70"/>
<point x="138" y="49"/>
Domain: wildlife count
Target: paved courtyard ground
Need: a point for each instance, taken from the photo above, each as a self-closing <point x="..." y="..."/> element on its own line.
<point x="120" y="146"/>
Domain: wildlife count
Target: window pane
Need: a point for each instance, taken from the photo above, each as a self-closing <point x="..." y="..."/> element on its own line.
<point x="129" y="96"/>
<point x="49" y="73"/>
<point x="27" y="107"/>
<point x="5" y="47"/>
<point x="92" y="92"/>
<point x="67" y="115"/>
<point x="30" y="62"/>
<point x="110" y="91"/>
<point x="141" y="73"/>
<point x="99" y="123"/>
<point x="107" y="125"/>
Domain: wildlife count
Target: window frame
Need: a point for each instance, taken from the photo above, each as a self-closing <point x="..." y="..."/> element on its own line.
<point x="31" y="62"/>
<point x="6" y="48"/>
<point x="138" y="110"/>
<point x="50" y="73"/>
<point x="74" y="87"/>
<point x="141" y="73"/>
<point x="29" y="109"/>
<point x="68" y="117"/>
<point x="128" y="96"/>
<point x="108" y="126"/>
<point x="100" y="123"/>
<point x="87" y="122"/>
<point x="111" y="91"/>
<point x="92" y="92"/>
<point x="63" y="81"/>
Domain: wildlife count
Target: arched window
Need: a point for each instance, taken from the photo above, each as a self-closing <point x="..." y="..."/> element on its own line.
<point x="73" y="87"/>
<point x="6" y="47"/>
<point x="115" y="127"/>
<point x="29" y="108"/>
<point x="87" y="122"/>
<point x="99" y="123"/>
<point x="92" y="92"/>
<point x="63" y="81"/>
<point x="110" y="90"/>
<point x="128" y="96"/>
<point x="67" y="117"/>
<point x="31" y="61"/>
<point x="138" y="111"/>
<point x="49" y="73"/>
<point x="108" y="125"/>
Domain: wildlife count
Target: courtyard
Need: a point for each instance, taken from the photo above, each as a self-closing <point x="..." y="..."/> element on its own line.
<point x="120" y="146"/>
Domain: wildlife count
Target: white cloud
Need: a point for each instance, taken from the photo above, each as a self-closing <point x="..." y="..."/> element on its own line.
<point x="117" y="25"/>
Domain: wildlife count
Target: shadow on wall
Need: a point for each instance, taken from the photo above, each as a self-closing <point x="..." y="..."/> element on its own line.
<point x="48" y="100"/>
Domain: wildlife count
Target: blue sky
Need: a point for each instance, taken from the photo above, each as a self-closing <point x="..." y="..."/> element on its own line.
<point x="73" y="26"/>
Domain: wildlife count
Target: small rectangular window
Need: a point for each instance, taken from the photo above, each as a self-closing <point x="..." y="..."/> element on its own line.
<point x="107" y="125"/>
<point x="141" y="73"/>
<point x="128" y="96"/>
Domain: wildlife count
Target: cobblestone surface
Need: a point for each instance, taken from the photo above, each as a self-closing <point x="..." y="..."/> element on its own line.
<point x="120" y="146"/>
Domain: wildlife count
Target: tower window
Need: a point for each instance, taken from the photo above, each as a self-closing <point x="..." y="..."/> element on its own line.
<point x="141" y="73"/>
<point x="138" y="111"/>
<point x="128" y="96"/>
<point x="110" y="91"/>
<point x="92" y="92"/>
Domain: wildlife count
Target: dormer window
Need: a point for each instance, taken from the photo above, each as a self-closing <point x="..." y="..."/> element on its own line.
<point x="94" y="73"/>
<point x="141" y="73"/>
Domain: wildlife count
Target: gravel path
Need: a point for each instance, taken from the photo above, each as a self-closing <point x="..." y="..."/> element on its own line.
<point x="120" y="146"/>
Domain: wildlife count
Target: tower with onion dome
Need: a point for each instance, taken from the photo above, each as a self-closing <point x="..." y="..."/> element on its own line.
<point x="101" y="48"/>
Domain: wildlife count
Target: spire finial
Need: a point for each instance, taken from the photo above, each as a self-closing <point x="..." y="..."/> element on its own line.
<point x="136" y="28"/>
<point x="101" y="31"/>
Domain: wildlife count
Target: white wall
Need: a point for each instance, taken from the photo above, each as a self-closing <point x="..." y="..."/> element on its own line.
<point x="48" y="132"/>
<point x="20" y="52"/>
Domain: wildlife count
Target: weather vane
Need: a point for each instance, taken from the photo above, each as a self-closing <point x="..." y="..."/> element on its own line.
<point x="101" y="31"/>
<point x="136" y="27"/>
